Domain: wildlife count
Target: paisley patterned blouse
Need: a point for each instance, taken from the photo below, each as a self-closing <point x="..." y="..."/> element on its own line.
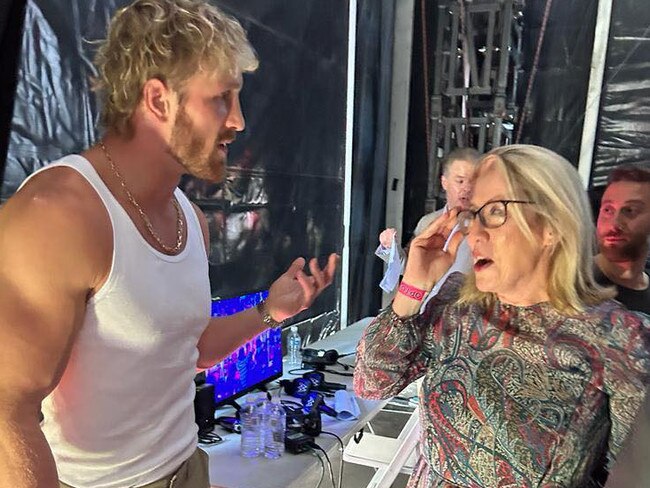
<point x="512" y="396"/>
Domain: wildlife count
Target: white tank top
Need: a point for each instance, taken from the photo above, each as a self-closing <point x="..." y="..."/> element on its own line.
<point x="122" y="414"/>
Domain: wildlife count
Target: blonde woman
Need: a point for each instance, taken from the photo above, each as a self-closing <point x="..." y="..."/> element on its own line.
<point x="529" y="368"/>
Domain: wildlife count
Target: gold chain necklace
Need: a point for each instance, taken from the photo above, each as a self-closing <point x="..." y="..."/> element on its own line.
<point x="179" y="218"/>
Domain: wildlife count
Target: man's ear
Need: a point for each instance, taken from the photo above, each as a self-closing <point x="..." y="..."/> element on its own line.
<point x="444" y="182"/>
<point x="157" y="99"/>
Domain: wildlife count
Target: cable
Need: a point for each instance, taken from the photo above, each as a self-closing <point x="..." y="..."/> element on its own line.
<point x="341" y="458"/>
<point x="425" y="72"/>
<point x="322" y="467"/>
<point x="293" y="371"/>
<point x="313" y="445"/>
<point x="345" y="366"/>
<point x="340" y="373"/>
<point x="533" y="71"/>
<point x="347" y="354"/>
<point x="209" y="437"/>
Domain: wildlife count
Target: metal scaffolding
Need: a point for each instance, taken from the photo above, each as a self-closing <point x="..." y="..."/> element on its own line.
<point x="476" y="69"/>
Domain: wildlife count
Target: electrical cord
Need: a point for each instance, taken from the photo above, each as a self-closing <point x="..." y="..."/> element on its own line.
<point x="345" y="366"/>
<point x="209" y="437"/>
<point x="293" y="371"/>
<point x="340" y="373"/>
<point x="331" y="371"/>
<point x="341" y="458"/>
<point x="347" y="354"/>
<point x="313" y="445"/>
<point x="322" y="466"/>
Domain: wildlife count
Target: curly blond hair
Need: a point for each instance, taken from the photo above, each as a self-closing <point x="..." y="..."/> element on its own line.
<point x="539" y="175"/>
<point x="170" y="40"/>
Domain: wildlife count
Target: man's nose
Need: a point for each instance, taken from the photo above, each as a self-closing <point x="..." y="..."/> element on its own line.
<point x="620" y="220"/>
<point x="236" y="119"/>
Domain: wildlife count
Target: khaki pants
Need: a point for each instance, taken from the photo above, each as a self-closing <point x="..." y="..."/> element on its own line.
<point x="193" y="473"/>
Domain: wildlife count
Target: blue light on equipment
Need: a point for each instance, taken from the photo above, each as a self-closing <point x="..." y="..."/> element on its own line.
<point x="252" y="365"/>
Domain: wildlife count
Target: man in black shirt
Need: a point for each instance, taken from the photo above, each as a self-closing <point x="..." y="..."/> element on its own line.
<point x="623" y="231"/>
<point x="623" y="236"/>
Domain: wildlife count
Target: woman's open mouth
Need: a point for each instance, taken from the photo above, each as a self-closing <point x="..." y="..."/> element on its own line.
<point x="481" y="264"/>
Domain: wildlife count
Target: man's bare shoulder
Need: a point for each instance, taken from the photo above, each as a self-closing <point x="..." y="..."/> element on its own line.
<point x="52" y="258"/>
<point x="58" y="213"/>
<point x="59" y="193"/>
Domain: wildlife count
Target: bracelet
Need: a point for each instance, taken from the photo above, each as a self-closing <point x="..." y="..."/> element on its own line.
<point x="411" y="291"/>
<point x="267" y="320"/>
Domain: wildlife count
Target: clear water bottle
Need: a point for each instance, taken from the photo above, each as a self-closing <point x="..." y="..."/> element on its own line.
<point x="262" y="405"/>
<point x="293" y="347"/>
<point x="275" y="423"/>
<point x="251" y="431"/>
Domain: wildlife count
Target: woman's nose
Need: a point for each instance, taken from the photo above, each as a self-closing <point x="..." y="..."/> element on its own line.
<point x="475" y="230"/>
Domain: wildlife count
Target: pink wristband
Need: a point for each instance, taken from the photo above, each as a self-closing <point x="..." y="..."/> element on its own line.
<point x="411" y="291"/>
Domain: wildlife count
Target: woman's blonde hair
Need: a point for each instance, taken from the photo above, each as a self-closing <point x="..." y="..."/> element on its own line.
<point x="170" y="40"/>
<point x="541" y="176"/>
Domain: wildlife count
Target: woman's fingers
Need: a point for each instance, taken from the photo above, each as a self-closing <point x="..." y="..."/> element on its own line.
<point x="454" y="242"/>
<point x="437" y="233"/>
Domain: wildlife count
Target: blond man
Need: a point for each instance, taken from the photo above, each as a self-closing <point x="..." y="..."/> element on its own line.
<point x="103" y="266"/>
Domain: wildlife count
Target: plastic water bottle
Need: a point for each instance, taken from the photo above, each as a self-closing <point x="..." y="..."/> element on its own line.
<point x="293" y="347"/>
<point x="274" y="429"/>
<point x="251" y="432"/>
<point x="262" y="406"/>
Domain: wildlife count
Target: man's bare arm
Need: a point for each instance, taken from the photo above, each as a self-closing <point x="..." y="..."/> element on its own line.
<point x="44" y="283"/>
<point x="225" y="334"/>
<point x="291" y="293"/>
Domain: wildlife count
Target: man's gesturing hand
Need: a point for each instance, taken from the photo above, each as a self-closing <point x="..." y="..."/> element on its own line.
<point x="295" y="290"/>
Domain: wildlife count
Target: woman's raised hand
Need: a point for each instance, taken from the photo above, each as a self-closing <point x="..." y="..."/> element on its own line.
<point x="429" y="259"/>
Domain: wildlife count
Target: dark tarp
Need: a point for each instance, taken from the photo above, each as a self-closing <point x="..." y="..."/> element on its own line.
<point x="374" y="54"/>
<point x="624" y="118"/>
<point x="557" y="105"/>
<point x="12" y="14"/>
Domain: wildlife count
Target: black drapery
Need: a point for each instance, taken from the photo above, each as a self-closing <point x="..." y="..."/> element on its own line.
<point x="624" y="119"/>
<point x="12" y="15"/>
<point x="556" y="109"/>
<point x="370" y="160"/>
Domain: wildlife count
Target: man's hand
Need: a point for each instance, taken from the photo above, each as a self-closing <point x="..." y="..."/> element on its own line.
<point x="387" y="237"/>
<point x="291" y="293"/>
<point x="295" y="291"/>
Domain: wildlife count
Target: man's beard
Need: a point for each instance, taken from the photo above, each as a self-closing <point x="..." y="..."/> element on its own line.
<point x="635" y="248"/>
<point x="189" y="150"/>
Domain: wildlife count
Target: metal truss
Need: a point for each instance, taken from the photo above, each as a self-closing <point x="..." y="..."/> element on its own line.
<point x="476" y="69"/>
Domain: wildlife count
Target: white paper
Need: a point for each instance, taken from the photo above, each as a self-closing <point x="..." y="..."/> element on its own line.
<point x="346" y="405"/>
<point x="394" y="268"/>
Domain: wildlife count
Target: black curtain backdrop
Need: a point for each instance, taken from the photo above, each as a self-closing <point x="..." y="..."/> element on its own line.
<point x="283" y="195"/>
<point x="417" y="165"/>
<point x="12" y="14"/>
<point x="371" y="130"/>
<point x="557" y="103"/>
<point x="624" y="119"/>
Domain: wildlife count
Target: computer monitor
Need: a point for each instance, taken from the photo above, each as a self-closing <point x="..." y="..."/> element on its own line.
<point x="252" y="365"/>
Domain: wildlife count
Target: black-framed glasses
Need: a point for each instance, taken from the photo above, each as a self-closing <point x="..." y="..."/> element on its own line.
<point x="492" y="214"/>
